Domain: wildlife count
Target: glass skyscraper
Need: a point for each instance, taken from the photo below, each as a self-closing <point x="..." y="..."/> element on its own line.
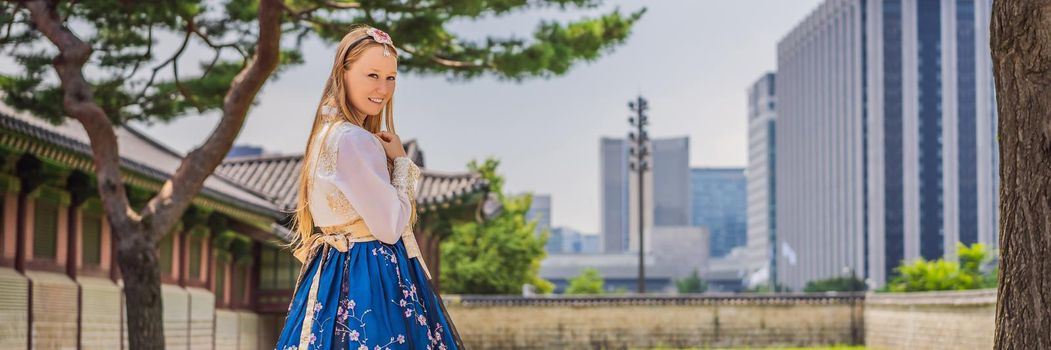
<point x="719" y="201"/>
<point x="885" y="137"/>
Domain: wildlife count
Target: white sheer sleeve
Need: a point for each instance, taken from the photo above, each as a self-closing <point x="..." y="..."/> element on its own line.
<point x="361" y="174"/>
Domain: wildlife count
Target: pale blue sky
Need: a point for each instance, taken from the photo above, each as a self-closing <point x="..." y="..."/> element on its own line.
<point x="693" y="60"/>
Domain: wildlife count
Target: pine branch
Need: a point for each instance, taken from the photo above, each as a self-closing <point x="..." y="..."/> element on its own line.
<point x="78" y="101"/>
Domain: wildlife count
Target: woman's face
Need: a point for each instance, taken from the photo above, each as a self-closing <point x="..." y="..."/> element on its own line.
<point x="370" y="81"/>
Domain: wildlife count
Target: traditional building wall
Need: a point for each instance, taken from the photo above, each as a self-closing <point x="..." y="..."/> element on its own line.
<point x="53" y="304"/>
<point x="14" y="309"/>
<point x="176" y="303"/>
<point x="101" y="320"/>
<point x="226" y="330"/>
<point x="202" y="318"/>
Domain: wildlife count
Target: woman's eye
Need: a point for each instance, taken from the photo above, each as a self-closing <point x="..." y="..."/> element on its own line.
<point x="374" y="75"/>
<point x="390" y="78"/>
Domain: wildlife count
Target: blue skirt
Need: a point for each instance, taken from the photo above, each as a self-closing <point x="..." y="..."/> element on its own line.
<point x="373" y="296"/>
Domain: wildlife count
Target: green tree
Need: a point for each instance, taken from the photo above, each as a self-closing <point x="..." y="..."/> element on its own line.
<point x="835" y="284"/>
<point x="966" y="273"/>
<point x="588" y="282"/>
<point x="497" y="256"/>
<point x="692" y="284"/>
<point x="108" y="72"/>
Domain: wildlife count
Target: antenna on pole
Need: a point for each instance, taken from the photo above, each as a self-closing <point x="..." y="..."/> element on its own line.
<point x="638" y="161"/>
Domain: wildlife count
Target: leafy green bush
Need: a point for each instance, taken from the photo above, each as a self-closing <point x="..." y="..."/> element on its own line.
<point x="835" y="284"/>
<point x="588" y="282"/>
<point x="692" y="284"/>
<point x="923" y="275"/>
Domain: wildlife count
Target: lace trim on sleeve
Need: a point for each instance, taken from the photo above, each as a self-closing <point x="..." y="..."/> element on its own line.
<point x="406" y="174"/>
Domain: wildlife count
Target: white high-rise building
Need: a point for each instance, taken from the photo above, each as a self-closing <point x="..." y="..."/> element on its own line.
<point x="614" y="194"/>
<point x="761" y="231"/>
<point x="886" y="141"/>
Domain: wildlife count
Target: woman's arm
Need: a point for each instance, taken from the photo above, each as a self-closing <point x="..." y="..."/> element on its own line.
<point x="361" y="174"/>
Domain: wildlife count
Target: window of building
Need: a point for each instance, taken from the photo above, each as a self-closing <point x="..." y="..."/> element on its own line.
<point x="220" y="283"/>
<point x="267" y="268"/>
<point x="278" y="269"/>
<point x="91" y="238"/>
<point x="45" y="228"/>
<point x="195" y="258"/>
<point x="288" y="271"/>
<point x="238" y="290"/>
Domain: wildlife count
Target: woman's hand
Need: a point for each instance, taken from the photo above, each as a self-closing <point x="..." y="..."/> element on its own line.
<point x="391" y="144"/>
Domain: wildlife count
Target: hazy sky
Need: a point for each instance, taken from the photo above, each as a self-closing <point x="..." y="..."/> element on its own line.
<point x="693" y="60"/>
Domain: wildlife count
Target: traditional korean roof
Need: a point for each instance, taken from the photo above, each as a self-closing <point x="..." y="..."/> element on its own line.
<point x="253" y="188"/>
<point x="146" y="162"/>
<point x="277" y="178"/>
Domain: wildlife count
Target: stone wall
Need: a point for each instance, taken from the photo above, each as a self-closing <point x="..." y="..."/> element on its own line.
<point x="931" y="320"/>
<point x="226" y="330"/>
<point x="676" y="321"/>
<point x="51" y="301"/>
<point x="202" y="318"/>
<point x="176" y="302"/>
<point x="100" y="316"/>
<point x="53" y="305"/>
<point x="14" y="309"/>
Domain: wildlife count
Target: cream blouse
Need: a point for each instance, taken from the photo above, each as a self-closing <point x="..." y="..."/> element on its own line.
<point x="351" y="181"/>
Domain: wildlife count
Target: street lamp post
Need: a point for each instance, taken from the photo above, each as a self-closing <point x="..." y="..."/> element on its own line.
<point x="638" y="151"/>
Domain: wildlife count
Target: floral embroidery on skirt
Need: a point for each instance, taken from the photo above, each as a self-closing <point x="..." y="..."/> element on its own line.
<point x="371" y="297"/>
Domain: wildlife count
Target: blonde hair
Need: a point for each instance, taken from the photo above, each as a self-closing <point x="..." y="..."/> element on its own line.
<point x="350" y="49"/>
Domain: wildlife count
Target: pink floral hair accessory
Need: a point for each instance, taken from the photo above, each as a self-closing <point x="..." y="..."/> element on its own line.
<point x="380" y="37"/>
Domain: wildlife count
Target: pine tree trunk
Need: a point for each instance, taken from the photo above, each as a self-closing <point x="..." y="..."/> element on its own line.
<point x="1021" y="50"/>
<point x="140" y="271"/>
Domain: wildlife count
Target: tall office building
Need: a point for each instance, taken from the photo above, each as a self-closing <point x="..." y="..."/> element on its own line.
<point x="719" y="202"/>
<point x="614" y="194"/>
<point x="761" y="227"/>
<point x="885" y="136"/>
<point x="671" y="175"/>
<point x="666" y="191"/>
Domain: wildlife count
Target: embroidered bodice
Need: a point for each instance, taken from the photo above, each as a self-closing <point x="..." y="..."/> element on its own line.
<point x="351" y="181"/>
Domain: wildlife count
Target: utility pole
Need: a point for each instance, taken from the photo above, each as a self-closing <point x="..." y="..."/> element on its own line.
<point x="637" y="162"/>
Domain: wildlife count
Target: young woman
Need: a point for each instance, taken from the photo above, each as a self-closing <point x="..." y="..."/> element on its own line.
<point x="363" y="284"/>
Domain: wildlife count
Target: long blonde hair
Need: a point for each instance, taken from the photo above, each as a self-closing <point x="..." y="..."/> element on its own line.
<point x="350" y="49"/>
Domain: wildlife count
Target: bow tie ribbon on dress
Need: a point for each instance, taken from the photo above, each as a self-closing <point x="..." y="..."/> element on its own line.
<point x="341" y="236"/>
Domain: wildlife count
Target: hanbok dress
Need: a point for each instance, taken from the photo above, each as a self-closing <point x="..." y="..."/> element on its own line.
<point x="363" y="284"/>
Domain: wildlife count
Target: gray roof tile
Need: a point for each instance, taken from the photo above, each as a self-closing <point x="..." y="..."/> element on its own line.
<point x="139" y="153"/>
